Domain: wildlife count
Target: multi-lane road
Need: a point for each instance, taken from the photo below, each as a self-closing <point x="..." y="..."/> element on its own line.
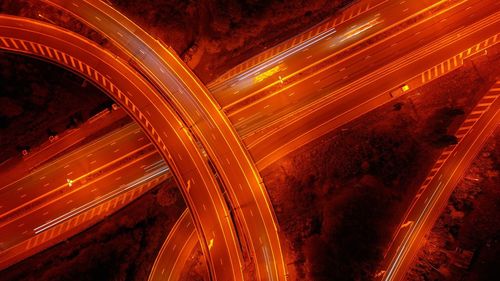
<point x="154" y="114"/>
<point x="174" y="253"/>
<point x="311" y="106"/>
<point x="292" y="113"/>
<point x="15" y="167"/>
<point x="438" y="46"/>
<point x="437" y="188"/>
<point x="69" y="185"/>
<point x="158" y="119"/>
<point x="470" y="22"/>
<point x="272" y="122"/>
<point x="309" y="53"/>
<point x="254" y="227"/>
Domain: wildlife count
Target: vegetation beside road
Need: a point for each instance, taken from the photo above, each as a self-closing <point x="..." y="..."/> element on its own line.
<point x="339" y="199"/>
<point x="214" y="35"/>
<point x="40" y="99"/>
<point x="121" y="247"/>
<point x="464" y="243"/>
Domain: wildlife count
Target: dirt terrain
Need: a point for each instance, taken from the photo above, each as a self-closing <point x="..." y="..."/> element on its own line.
<point x="121" y="247"/>
<point x="215" y="35"/>
<point x="339" y="198"/>
<point x="358" y="178"/>
<point x="38" y="100"/>
<point x="465" y="241"/>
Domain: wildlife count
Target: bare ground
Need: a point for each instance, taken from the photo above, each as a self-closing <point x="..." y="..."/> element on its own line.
<point x="358" y="179"/>
<point x="41" y="11"/>
<point x="121" y="247"/>
<point x="221" y="34"/>
<point x="464" y="244"/>
<point x="339" y="198"/>
<point x="38" y="99"/>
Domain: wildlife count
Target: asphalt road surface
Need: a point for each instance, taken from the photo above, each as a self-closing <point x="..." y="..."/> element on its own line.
<point x="433" y="197"/>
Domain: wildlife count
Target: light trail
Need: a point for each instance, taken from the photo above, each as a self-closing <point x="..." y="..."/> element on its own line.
<point x="408" y="236"/>
<point x="278" y="58"/>
<point x="100" y="200"/>
<point x="399" y="255"/>
<point x="364" y="27"/>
